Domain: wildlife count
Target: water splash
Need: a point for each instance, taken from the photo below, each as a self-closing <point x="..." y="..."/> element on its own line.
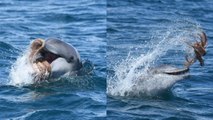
<point x="21" y="71"/>
<point x="132" y="77"/>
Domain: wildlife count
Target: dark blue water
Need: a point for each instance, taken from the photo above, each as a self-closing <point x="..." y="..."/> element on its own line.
<point x="135" y="28"/>
<point x="81" y="23"/>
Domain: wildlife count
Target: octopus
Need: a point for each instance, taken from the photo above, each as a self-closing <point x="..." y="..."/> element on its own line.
<point x="41" y="67"/>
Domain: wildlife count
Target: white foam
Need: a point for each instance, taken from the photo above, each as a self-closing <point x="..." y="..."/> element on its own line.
<point x="21" y="71"/>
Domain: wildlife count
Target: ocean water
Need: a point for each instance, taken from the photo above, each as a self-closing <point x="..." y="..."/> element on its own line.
<point x="81" y="23"/>
<point x="125" y="40"/>
<point x="144" y="34"/>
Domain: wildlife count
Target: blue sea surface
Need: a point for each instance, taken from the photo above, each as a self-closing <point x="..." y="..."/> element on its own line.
<point x="81" y="23"/>
<point x="138" y="27"/>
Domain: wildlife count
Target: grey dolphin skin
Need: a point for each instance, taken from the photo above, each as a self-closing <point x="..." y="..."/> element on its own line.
<point x="169" y="70"/>
<point x="62" y="49"/>
<point x="68" y="61"/>
<point x="63" y="57"/>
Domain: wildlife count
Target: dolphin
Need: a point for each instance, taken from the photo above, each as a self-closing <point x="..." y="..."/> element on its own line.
<point x="62" y="57"/>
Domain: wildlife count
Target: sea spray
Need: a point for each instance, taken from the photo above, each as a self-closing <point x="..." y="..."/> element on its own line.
<point x="132" y="76"/>
<point x="21" y="71"/>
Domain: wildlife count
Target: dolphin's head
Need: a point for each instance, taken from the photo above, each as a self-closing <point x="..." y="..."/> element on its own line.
<point x="62" y="57"/>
